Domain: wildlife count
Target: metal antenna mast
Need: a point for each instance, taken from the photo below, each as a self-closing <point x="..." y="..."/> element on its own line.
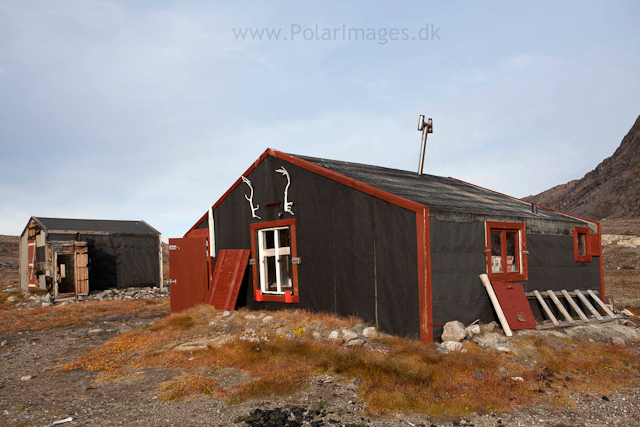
<point x="425" y="127"/>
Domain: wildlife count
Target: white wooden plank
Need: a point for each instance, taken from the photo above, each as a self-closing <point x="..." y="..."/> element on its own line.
<point x="558" y="304"/>
<point x="587" y="304"/>
<point x="575" y="306"/>
<point x="546" y="308"/>
<point x="496" y="305"/>
<point x="601" y="304"/>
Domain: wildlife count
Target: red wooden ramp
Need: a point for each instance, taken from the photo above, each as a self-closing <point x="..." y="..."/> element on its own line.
<point x="227" y="278"/>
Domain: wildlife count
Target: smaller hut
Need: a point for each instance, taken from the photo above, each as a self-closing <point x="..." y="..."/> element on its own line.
<point x="71" y="257"/>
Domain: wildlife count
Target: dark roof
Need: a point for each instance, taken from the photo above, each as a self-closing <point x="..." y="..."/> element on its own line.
<point x="438" y="193"/>
<point x="96" y="225"/>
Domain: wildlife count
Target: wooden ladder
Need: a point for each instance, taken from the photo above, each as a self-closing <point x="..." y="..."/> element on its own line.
<point x="569" y="297"/>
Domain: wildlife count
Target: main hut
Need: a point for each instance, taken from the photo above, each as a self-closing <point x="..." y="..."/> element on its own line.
<point x="400" y="250"/>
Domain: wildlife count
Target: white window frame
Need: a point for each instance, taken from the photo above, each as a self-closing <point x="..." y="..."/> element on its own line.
<point x="276" y="252"/>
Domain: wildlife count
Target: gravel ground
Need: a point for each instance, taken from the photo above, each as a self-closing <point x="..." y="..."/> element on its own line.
<point x="53" y="394"/>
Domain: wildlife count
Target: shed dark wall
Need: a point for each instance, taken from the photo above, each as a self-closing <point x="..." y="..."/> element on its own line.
<point x="119" y="260"/>
<point x="352" y="245"/>
<point x="457" y="259"/>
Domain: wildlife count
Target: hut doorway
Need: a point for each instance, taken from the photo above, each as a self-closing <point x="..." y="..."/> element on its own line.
<point x="71" y="269"/>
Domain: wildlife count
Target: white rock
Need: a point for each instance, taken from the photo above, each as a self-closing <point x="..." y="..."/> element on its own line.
<point x="474" y="329"/>
<point x="267" y="319"/>
<point x="453" y="331"/>
<point x="226" y="313"/>
<point x="517" y="378"/>
<point x="489" y="327"/>
<point x="370" y="332"/>
<point x="617" y="341"/>
<point x="335" y="336"/>
<point x="66" y="420"/>
<point x="3" y="343"/>
<point x="95" y="331"/>
<point x="451" y="345"/>
<point x="503" y="349"/>
<point x="348" y="335"/>
<point x="355" y="343"/>
<point x="26" y="377"/>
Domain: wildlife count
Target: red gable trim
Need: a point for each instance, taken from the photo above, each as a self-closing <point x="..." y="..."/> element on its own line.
<point x="319" y="170"/>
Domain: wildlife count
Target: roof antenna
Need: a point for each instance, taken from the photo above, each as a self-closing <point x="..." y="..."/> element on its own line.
<point x="425" y="127"/>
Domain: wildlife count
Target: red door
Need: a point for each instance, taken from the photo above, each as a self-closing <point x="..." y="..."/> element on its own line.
<point x="188" y="271"/>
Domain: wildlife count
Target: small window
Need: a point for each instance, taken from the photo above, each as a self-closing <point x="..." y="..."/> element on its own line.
<point x="506" y="251"/>
<point x="581" y="244"/>
<point x="274" y="249"/>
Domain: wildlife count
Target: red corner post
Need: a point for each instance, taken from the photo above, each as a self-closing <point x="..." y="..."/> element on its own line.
<point x="424" y="275"/>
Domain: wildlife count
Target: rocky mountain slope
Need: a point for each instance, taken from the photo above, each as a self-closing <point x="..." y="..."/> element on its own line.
<point x="611" y="190"/>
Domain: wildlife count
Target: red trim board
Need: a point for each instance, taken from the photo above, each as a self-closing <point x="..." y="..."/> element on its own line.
<point x="424" y="276"/>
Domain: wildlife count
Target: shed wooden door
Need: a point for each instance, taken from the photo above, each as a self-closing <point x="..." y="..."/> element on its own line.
<point x="189" y="272"/>
<point x="31" y="262"/>
<point x="82" y="273"/>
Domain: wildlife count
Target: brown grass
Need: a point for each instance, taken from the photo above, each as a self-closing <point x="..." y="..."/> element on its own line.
<point x="189" y="385"/>
<point x="408" y="376"/>
<point x="73" y="314"/>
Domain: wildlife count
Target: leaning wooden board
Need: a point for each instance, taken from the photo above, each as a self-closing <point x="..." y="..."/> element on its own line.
<point x="515" y="305"/>
<point x="227" y="278"/>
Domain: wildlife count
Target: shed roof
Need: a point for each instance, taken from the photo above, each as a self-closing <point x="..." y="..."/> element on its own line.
<point x="439" y="194"/>
<point x="95" y="225"/>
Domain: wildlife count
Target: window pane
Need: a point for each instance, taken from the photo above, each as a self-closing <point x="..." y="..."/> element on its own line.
<point x="512" y="246"/>
<point x="271" y="274"/>
<point x="582" y="244"/>
<point x="496" y="252"/>
<point x="285" y="272"/>
<point x="284" y="236"/>
<point x="269" y="242"/>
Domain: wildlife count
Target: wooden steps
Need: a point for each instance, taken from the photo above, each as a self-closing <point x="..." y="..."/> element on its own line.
<point x="583" y="297"/>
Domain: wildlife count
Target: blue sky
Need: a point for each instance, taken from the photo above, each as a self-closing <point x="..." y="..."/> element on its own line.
<point x="151" y="111"/>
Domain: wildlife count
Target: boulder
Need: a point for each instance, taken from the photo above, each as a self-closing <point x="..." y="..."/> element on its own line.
<point x="370" y="332"/>
<point x="451" y="346"/>
<point x="335" y="336"/>
<point x="453" y="331"/>
<point x="348" y="335"/>
<point x="355" y="343"/>
<point x="489" y="327"/>
<point x="617" y="341"/>
<point x="474" y="329"/>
